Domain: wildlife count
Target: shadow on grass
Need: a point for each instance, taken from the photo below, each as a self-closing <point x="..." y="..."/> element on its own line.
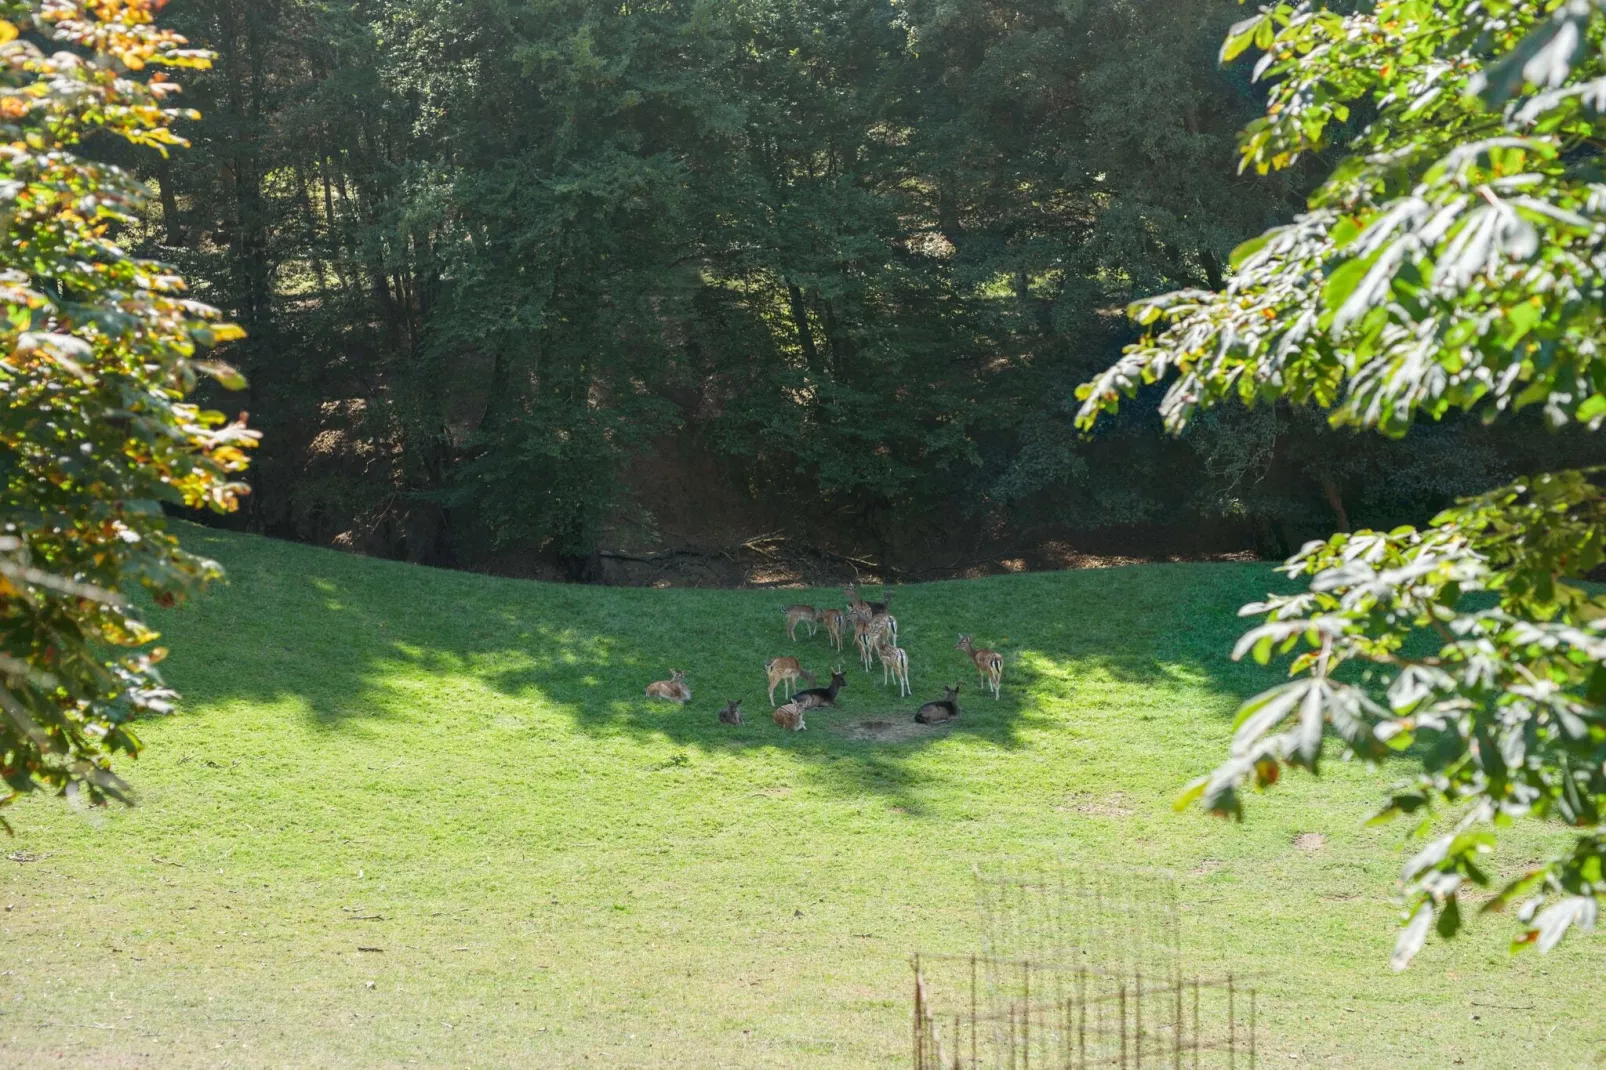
<point x="356" y="641"/>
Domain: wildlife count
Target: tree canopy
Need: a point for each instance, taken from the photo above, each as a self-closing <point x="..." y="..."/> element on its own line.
<point x="101" y="350"/>
<point x="1452" y="262"/>
<point x="848" y="252"/>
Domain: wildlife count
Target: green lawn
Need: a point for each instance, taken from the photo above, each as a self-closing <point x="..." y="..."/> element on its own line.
<point x="462" y="771"/>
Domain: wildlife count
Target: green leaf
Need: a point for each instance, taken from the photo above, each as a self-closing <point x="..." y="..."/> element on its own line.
<point x="1413" y="936"/>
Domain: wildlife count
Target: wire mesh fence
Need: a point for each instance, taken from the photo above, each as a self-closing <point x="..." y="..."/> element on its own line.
<point x="1082" y="968"/>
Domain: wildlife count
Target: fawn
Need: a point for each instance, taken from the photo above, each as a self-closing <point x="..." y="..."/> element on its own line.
<point x="732" y="713"/>
<point x="989" y="663"/>
<point x="835" y="626"/>
<point x="674" y="689"/>
<point x="813" y="697"/>
<point x="789" y="716"/>
<point x="945" y="709"/>
<point x="895" y="660"/>
<point x="785" y="670"/>
<point x="796" y="615"/>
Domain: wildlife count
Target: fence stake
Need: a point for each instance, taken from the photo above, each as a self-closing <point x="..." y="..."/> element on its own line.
<point x="1122" y="1009"/>
<point x="1232" y="1027"/>
<point x="1137" y="1022"/>
<point x="1026" y="1016"/>
<point x="920" y="1060"/>
<point x="1252" y="1029"/>
<point x="1195" y="1022"/>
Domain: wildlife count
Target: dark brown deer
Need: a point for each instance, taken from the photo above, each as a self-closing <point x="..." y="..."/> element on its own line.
<point x="811" y="698"/>
<point x="945" y="709"/>
<point x="989" y="663"/>
<point x="732" y="713"/>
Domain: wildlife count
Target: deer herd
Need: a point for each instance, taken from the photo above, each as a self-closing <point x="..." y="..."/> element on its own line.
<point x="875" y="635"/>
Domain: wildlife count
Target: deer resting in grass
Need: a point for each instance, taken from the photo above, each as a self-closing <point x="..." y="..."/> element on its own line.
<point x="787" y="671"/>
<point x="814" y="697"/>
<point x="789" y="716"/>
<point x="674" y="689"/>
<point x="989" y="663"/>
<point x="895" y="662"/>
<point x="945" y="709"/>
<point x="796" y="615"/>
<point x="732" y="713"/>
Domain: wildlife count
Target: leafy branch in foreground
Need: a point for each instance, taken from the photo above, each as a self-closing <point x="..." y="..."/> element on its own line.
<point x="1454" y="261"/>
<point x="98" y="352"/>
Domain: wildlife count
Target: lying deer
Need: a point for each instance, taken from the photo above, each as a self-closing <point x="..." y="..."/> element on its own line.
<point x="674" y="689"/>
<point x="895" y="661"/>
<point x="789" y="716"/>
<point x="947" y="709"/>
<point x="787" y="671"/>
<point x="796" y="615"/>
<point x="814" y="697"/>
<point x="836" y="626"/>
<point x="732" y="713"/>
<point x="989" y="663"/>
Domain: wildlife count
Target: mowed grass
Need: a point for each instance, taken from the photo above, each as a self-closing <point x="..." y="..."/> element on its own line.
<point x="462" y="772"/>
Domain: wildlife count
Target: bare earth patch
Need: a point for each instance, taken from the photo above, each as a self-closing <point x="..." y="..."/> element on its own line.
<point x="888" y="730"/>
<point x="1310" y="841"/>
<point x="1083" y="802"/>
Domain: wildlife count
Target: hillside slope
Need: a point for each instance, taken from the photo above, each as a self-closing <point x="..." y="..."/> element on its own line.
<point x="461" y="771"/>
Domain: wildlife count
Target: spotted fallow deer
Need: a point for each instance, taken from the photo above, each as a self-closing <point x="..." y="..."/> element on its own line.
<point x="796" y="615"/>
<point x="674" y="689"/>
<point x="989" y="663"/>
<point x="787" y="671"/>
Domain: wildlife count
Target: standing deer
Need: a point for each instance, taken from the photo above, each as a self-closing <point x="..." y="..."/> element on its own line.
<point x="836" y="626"/>
<point x="796" y="615"/>
<point x="787" y="671"/>
<point x="861" y="639"/>
<point x="883" y="626"/>
<point x="989" y="663"/>
<point x="864" y="609"/>
<point x="895" y="661"/>
<point x="732" y="713"/>
<point x="946" y="709"/>
<point x="674" y="689"/>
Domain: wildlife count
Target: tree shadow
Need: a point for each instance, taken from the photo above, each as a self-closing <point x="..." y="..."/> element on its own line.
<point x="357" y="643"/>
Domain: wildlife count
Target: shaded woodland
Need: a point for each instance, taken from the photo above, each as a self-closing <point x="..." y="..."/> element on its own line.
<point x="525" y="279"/>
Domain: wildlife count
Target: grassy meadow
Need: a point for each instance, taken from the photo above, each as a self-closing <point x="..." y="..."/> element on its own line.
<point x="461" y="773"/>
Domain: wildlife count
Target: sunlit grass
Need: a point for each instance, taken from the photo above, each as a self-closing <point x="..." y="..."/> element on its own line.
<point x="463" y="772"/>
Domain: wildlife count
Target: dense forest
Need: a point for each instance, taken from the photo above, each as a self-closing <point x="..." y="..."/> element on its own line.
<point x="527" y="278"/>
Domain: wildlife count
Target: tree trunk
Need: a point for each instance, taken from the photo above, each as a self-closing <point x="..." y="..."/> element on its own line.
<point x="1336" y="501"/>
<point x="805" y="336"/>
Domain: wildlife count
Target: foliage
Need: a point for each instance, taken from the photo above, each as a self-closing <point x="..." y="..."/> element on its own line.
<point x="101" y="351"/>
<point x="857" y="252"/>
<point x="1452" y="263"/>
